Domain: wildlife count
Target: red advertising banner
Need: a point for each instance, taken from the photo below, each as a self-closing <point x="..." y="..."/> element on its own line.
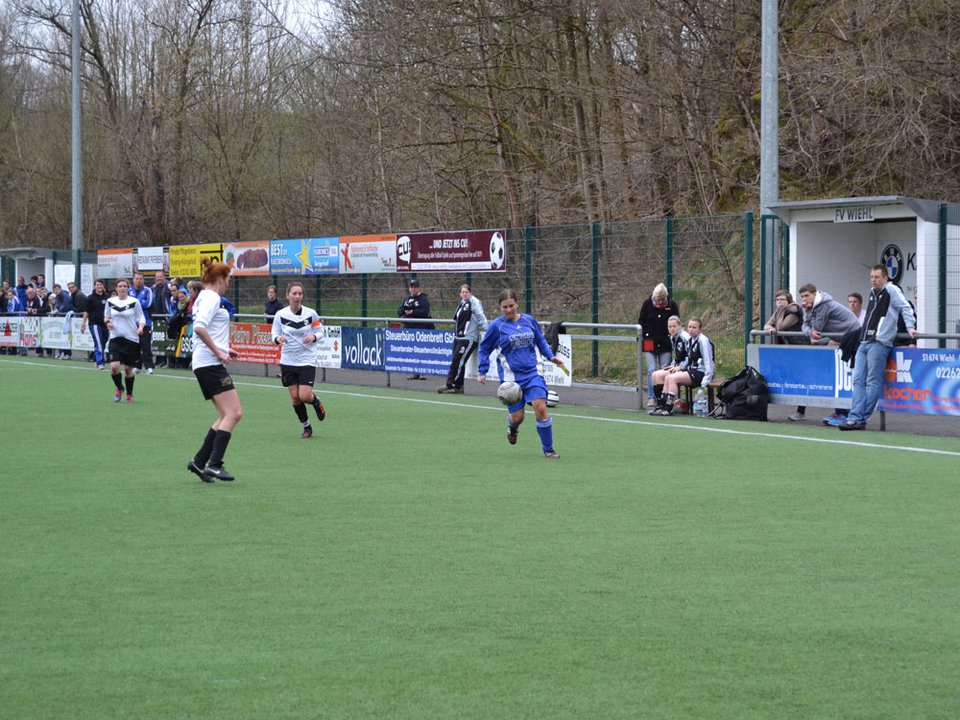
<point x="253" y="343"/>
<point x="453" y="251"/>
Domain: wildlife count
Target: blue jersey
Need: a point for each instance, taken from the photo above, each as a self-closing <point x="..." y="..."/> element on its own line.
<point x="518" y="342"/>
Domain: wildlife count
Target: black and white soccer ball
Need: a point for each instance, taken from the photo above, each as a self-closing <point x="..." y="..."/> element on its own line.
<point x="498" y="250"/>
<point x="552" y="398"/>
<point x="509" y="393"/>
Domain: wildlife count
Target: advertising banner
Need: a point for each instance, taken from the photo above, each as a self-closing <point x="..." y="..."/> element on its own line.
<point x="253" y="343"/>
<point x="184" y="347"/>
<point x="362" y="348"/>
<point x="248" y="258"/>
<point x="160" y="344"/>
<point x="82" y="341"/>
<point x="806" y="374"/>
<point x="552" y="374"/>
<point x="453" y="251"/>
<point x="421" y="352"/>
<point x="368" y="254"/>
<point x="185" y="259"/>
<point x="115" y="263"/>
<point x="305" y="256"/>
<point x="329" y="346"/>
<point x="10" y="330"/>
<point x="54" y="333"/>
<point x="151" y="259"/>
<point x="29" y="331"/>
<point x="922" y="380"/>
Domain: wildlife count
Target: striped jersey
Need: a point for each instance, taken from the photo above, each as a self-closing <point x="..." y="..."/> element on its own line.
<point x="126" y="316"/>
<point x="295" y="327"/>
<point x="208" y="314"/>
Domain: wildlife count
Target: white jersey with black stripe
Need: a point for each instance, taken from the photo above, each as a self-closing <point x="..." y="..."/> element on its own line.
<point x="208" y="314"/>
<point x="295" y="327"/>
<point x="125" y="316"/>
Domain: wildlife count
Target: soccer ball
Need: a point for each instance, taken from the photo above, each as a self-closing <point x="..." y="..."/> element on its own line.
<point x="498" y="250"/>
<point x="509" y="393"/>
<point x="552" y="398"/>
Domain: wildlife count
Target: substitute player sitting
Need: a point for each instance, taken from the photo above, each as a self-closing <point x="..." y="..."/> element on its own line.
<point x="125" y="321"/>
<point x="296" y="329"/>
<point x="518" y="337"/>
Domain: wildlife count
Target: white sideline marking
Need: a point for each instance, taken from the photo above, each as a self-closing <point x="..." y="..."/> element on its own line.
<point x="623" y="421"/>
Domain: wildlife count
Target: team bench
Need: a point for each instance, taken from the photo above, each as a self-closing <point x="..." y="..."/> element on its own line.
<point x="711" y="394"/>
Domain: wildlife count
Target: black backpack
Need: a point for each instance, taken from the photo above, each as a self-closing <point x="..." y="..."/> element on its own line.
<point x="744" y="396"/>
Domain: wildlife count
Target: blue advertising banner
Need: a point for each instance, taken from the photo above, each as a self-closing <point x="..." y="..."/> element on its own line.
<point x="922" y="380"/>
<point x="362" y="348"/>
<point x="917" y="380"/>
<point x="420" y="352"/>
<point x="805" y="372"/>
<point x="305" y="256"/>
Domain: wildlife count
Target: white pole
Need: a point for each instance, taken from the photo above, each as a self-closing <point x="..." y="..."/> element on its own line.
<point x="76" y="224"/>
<point x="769" y="109"/>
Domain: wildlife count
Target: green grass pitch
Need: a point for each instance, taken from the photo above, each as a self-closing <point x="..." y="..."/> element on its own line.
<point x="406" y="562"/>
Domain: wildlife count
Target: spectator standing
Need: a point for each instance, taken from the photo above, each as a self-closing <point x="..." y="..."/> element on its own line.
<point x="125" y="321"/>
<point x="884" y="310"/>
<point x="823" y="315"/>
<point x="296" y="329"/>
<point x="34" y="306"/>
<point x="94" y="317"/>
<point x="144" y="296"/>
<point x="518" y="337"/>
<point x="696" y="370"/>
<point x="273" y="305"/>
<point x="64" y="300"/>
<point x="415" y="305"/>
<point x="211" y="327"/>
<point x="470" y="320"/>
<point x="21" y="289"/>
<point x="4" y="289"/>
<point x="78" y="299"/>
<point x="160" y="307"/>
<point x="655" y="311"/>
<point x="787" y="317"/>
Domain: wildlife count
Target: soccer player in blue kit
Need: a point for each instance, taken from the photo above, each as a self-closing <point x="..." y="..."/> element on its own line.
<point x="518" y="337"/>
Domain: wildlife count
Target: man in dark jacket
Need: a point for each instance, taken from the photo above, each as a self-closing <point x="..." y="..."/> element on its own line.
<point x="415" y="305"/>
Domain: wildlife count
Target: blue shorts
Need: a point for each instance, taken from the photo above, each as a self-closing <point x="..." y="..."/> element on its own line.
<point x="533" y="388"/>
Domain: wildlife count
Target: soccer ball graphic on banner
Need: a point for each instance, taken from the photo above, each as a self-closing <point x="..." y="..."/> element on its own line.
<point x="509" y="393"/>
<point x="498" y="250"/>
<point x="552" y="398"/>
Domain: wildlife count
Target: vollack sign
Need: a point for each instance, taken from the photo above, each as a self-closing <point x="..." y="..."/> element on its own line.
<point x="362" y="348"/>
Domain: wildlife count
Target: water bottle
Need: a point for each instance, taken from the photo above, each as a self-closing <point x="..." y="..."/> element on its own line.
<point x="700" y="403"/>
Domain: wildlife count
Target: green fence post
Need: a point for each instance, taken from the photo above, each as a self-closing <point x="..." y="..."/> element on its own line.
<point x="668" y="252"/>
<point x="319" y="294"/>
<point x="527" y="269"/>
<point x="785" y="260"/>
<point x="747" y="281"/>
<point x="942" y="276"/>
<point x="236" y="293"/>
<point x="77" y="262"/>
<point x="364" y="289"/>
<point x="595" y="294"/>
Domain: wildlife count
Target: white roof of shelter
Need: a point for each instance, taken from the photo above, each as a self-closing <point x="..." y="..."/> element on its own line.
<point x="928" y="210"/>
<point x="27" y="253"/>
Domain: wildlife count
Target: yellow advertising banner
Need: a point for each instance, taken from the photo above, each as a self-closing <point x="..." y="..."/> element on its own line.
<point x="185" y="259"/>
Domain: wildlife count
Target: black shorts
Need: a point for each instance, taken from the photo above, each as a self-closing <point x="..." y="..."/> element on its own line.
<point x="696" y="378"/>
<point x="213" y="379"/>
<point x="297" y="375"/>
<point x="124" y="351"/>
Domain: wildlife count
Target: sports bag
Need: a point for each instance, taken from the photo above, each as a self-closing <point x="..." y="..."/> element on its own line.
<point x="744" y="396"/>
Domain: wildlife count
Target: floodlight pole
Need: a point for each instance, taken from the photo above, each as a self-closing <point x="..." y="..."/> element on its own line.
<point x="76" y="220"/>
<point x="769" y="109"/>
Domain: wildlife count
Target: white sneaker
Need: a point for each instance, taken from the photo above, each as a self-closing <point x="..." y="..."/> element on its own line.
<point x="797" y="417"/>
<point x="149" y="371"/>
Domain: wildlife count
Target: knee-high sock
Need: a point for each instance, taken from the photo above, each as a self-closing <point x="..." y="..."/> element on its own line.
<point x="203" y="454"/>
<point x="116" y="380"/>
<point x="220" y="442"/>
<point x="545" y="431"/>
<point x="658" y="393"/>
<point x="301" y="410"/>
<point x="128" y="381"/>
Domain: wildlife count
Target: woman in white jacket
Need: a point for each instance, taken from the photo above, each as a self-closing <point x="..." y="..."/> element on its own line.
<point x="470" y="320"/>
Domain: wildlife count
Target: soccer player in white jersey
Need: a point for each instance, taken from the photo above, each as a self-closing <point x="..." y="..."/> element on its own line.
<point x="296" y="329"/>
<point x="124" y="319"/>
<point x="211" y="327"/>
<point x="518" y="338"/>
